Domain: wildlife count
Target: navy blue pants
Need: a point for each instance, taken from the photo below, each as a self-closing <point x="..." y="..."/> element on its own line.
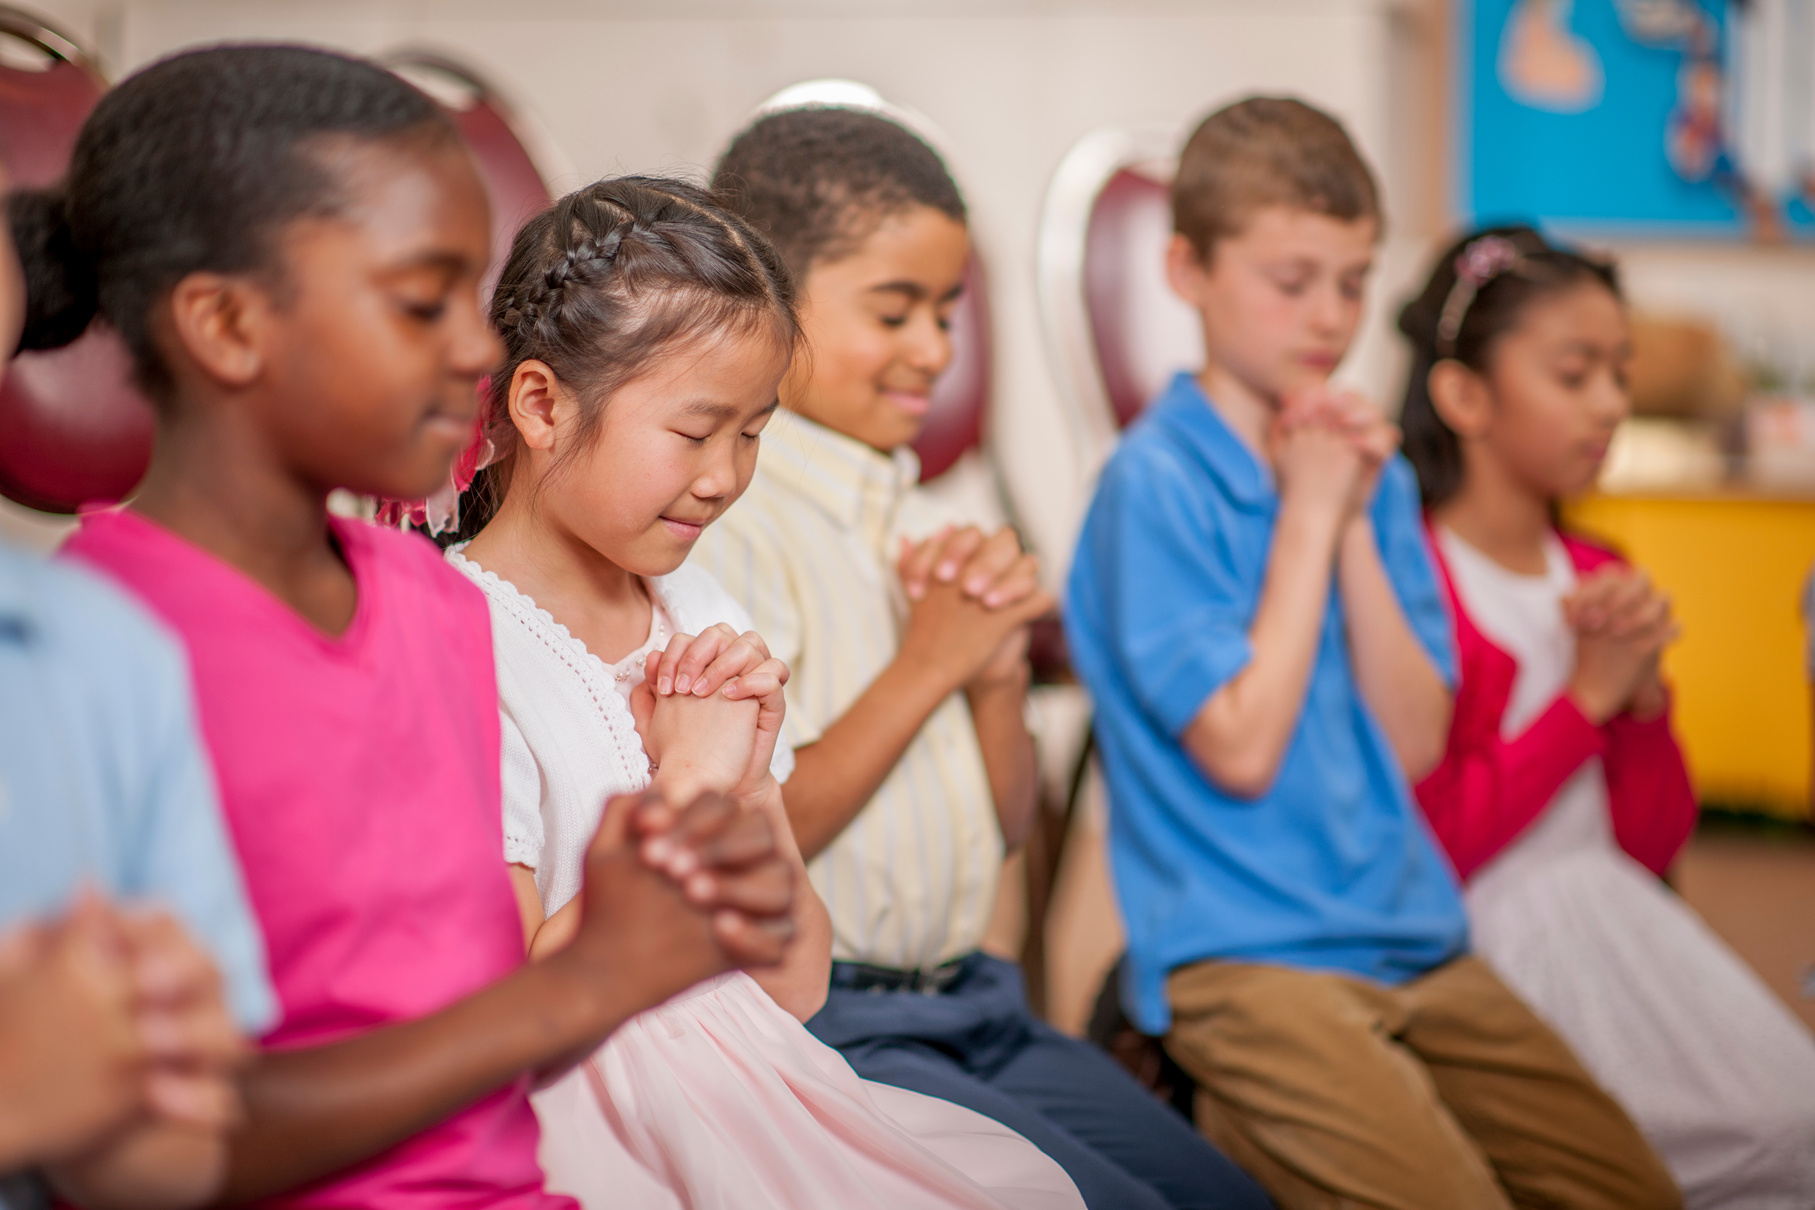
<point x="975" y="1043"/>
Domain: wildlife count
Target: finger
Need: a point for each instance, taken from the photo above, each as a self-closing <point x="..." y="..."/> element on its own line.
<point x="652" y="666"/>
<point x="959" y="548"/>
<point x="198" y="1099"/>
<point x="765" y="890"/>
<point x="167" y="966"/>
<point x="749" y="943"/>
<point x="989" y="562"/>
<point x="747" y="651"/>
<point x="677" y="852"/>
<point x="671" y="658"/>
<point x="1021" y="580"/>
<point x="711" y="643"/>
<point x="614" y="830"/>
<point x="199" y="1035"/>
<point x="916" y="563"/>
<point x="642" y="710"/>
<point x="1035" y="605"/>
<point x="744" y="841"/>
<point x="764" y="680"/>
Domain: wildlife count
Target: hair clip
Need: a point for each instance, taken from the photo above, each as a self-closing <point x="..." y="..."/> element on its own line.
<point x="1478" y="263"/>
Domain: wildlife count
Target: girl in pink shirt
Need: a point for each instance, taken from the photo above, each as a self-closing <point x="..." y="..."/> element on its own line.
<point x="291" y="244"/>
<point x="1562" y="794"/>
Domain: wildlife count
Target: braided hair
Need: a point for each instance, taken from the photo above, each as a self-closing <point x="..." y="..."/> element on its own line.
<point x="1533" y="269"/>
<point x="819" y="179"/>
<point x="606" y="281"/>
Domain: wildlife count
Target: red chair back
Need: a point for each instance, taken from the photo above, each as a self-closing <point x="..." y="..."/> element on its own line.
<point x="72" y="427"/>
<point x="512" y="181"/>
<point x="954" y="422"/>
<point x="1142" y="333"/>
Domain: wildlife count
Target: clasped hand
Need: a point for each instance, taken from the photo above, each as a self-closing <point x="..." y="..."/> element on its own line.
<point x="1328" y="447"/>
<point x="970" y="598"/>
<point x="1622" y="625"/>
<point x="709" y="711"/>
<point x="111" y="1015"/>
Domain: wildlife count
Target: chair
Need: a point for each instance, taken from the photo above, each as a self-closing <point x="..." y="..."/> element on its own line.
<point x="500" y="141"/>
<point x="1114" y="334"/>
<point x="960" y="403"/>
<point x="73" y="429"/>
<point x="1114" y="330"/>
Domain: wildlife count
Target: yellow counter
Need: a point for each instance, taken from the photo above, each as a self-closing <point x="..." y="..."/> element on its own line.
<point x="1734" y="564"/>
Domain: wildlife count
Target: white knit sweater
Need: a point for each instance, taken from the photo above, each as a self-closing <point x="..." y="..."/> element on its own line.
<point x="569" y="740"/>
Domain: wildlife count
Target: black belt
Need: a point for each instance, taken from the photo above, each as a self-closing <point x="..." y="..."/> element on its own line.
<point x="862" y="977"/>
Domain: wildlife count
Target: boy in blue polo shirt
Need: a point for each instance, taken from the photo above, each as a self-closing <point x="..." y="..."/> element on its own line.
<point x="1254" y="610"/>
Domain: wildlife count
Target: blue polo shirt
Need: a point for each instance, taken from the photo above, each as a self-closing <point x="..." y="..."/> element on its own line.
<point x="1332" y="869"/>
<point x="103" y="778"/>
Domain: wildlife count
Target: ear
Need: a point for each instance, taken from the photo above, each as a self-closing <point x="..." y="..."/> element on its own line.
<point x="1461" y="398"/>
<point x="220" y="323"/>
<point x="538" y="403"/>
<point x="1185" y="269"/>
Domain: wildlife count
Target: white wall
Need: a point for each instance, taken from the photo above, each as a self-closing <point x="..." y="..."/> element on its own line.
<point x="639" y="85"/>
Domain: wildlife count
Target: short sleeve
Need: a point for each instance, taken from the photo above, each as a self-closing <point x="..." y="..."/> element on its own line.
<point x="1406" y="553"/>
<point x="745" y="559"/>
<point x="1173" y="607"/>
<point x="523" y="834"/>
<point x="187" y="862"/>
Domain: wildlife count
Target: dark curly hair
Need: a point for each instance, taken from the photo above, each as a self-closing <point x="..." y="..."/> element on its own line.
<point x="195" y="164"/>
<point x="1543" y="269"/>
<point x="818" y="180"/>
<point x="606" y="281"/>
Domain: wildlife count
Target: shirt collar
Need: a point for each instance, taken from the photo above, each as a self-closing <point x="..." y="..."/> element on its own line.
<point x="859" y="486"/>
<point x="1189" y="413"/>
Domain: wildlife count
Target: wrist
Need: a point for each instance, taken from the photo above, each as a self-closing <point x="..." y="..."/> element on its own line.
<point x="1313" y="522"/>
<point x="681" y="780"/>
<point x="1595" y="707"/>
<point x="919" y="681"/>
<point x="574" y="1007"/>
<point x="993" y="685"/>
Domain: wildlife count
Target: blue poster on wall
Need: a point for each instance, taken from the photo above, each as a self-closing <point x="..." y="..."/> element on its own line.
<point x="1640" y="117"/>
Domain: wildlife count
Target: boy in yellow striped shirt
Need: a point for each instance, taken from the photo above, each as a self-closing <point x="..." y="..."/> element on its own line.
<point x="914" y="771"/>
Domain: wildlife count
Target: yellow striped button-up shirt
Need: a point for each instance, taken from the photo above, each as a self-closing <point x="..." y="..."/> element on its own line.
<point x="810" y="552"/>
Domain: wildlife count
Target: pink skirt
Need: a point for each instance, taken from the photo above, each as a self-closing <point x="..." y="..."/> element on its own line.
<point x="720" y="1100"/>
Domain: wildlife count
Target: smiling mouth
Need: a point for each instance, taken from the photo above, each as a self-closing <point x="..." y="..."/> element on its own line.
<point x="686" y="529"/>
<point x="914" y="403"/>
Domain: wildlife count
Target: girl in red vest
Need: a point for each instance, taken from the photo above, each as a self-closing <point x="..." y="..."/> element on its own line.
<point x="1562" y="793"/>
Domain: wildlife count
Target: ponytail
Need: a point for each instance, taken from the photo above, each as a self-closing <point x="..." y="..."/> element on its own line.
<point x="60" y="286"/>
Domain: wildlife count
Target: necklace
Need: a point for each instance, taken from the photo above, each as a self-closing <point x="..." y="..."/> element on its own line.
<point x="658" y="638"/>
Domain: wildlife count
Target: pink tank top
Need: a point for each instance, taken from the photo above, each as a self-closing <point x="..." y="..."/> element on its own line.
<point x="360" y="778"/>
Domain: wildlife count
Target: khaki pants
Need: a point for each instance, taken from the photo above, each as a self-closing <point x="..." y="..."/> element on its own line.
<point x="1446" y="1093"/>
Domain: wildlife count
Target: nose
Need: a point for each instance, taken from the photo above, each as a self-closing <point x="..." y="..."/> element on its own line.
<point x="476" y="348"/>
<point x="718" y="477"/>
<point x="1330" y="311"/>
<point x="1610" y="400"/>
<point x="927" y="345"/>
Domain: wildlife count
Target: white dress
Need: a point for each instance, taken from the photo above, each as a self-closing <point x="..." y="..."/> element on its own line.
<point x="1717" y="1072"/>
<point x="718" y="1099"/>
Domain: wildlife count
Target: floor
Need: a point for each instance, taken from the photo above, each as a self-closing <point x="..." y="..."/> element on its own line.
<point x="1755" y="885"/>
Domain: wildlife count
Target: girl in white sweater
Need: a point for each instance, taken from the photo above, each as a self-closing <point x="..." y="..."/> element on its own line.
<point x="646" y="332"/>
